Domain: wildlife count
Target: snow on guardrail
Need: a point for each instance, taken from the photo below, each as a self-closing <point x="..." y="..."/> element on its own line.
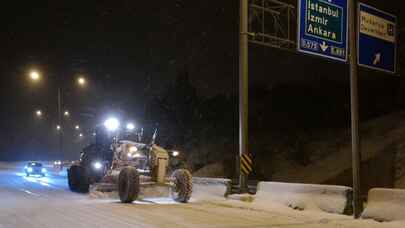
<point x="385" y="204"/>
<point x="328" y="198"/>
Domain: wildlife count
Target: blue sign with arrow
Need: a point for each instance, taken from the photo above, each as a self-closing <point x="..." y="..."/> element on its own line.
<point x="322" y="28"/>
<point x="377" y="39"/>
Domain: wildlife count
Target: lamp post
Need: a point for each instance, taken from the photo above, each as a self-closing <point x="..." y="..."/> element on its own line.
<point x="36" y="76"/>
<point x="60" y="120"/>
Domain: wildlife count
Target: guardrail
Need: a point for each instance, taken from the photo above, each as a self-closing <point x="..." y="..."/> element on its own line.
<point x="329" y="198"/>
<point x="385" y="204"/>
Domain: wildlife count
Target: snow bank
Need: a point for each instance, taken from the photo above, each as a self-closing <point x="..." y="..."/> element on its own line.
<point x="332" y="199"/>
<point x="385" y="204"/>
<point x="211" y="170"/>
<point x="206" y="189"/>
<point x="12" y="165"/>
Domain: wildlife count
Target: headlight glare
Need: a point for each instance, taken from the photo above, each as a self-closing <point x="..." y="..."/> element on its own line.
<point x="97" y="165"/>
<point x="175" y="153"/>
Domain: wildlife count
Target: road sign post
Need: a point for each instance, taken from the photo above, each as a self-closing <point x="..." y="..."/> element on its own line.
<point x="377" y="39"/>
<point x="354" y="102"/>
<point x="323" y="31"/>
<point x="322" y="28"/>
<point x="243" y="88"/>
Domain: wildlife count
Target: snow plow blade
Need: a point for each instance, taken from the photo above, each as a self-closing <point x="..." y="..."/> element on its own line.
<point x="329" y="198"/>
<point x="104" y="187"/>
<point x="147" y="190"/>
<point x="203" y="189"/>
<point x="385" y="205"/>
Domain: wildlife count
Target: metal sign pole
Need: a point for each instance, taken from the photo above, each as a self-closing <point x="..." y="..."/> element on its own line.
<point x="243" y="89"/>
<point x="356" y="156"/>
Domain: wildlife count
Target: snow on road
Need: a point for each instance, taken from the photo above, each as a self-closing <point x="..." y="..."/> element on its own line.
<point x="47" y="203"/>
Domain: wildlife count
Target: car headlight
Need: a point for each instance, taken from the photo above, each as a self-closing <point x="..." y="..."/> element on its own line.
<point x="43" y="170"/>
<point x="29" y="169"/>
<point x="97" y="165"/>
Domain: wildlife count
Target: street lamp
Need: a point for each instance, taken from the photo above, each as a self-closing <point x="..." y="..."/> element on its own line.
<point x="80" y="135"/>
<point x="35" y="76"/>
<point x="81" y="81"/>
<point x="38" y="113"/>
<point x="77" y="127"/>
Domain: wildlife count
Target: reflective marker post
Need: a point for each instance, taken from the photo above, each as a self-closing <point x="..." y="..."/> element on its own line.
<point x="354" y="100"/>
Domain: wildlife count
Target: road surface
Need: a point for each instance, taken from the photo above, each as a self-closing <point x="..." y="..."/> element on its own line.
<point x="30" y="202"/>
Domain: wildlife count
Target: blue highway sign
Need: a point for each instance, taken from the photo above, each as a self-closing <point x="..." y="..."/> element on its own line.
<point x="377" y="41"/>
<point x="322" y="28"/>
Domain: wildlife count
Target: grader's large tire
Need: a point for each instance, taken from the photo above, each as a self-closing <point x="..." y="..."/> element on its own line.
<point x="77" y="179"/>
<point x="183" y="185"/>
<point x="128" y="185"/>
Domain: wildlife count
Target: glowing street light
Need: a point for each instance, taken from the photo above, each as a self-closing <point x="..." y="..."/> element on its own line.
<point x="35" y="76"/>
<point x="38" y="113"/>
<point x="58" y="127"/>
<point x="81" y="81"/>
<point x="77" y="127"/>
<point x="81" y="135"/>
<point x="66" y="113"/>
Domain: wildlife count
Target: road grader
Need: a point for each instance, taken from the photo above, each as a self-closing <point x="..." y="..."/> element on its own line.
<point x="129" y="166"/>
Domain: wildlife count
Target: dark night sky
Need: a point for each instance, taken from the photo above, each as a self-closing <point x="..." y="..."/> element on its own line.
<point x="122" y="39"/>
<point x="121" y="46"/>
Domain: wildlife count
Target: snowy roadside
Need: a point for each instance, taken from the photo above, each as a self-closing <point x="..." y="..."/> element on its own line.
<point x="275" y="214"/>
<point x="311" y="215"/>
<point x="38" y="204"/>
<point x="212" y="194"/>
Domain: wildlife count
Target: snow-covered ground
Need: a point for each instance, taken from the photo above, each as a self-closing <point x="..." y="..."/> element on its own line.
<point x="47" y="202"/>
<point x="328" y="198"/>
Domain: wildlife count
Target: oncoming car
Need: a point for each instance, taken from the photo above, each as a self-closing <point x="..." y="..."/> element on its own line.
<point x="34" y="168"/>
